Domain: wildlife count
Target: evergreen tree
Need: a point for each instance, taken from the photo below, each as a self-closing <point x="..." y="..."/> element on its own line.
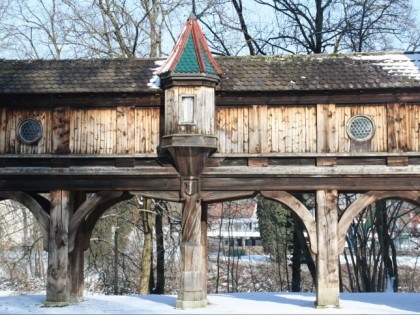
<point x="276" y="230"/>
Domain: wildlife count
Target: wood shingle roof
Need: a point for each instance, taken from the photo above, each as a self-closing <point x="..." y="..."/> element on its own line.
<point x="272" y="73"/>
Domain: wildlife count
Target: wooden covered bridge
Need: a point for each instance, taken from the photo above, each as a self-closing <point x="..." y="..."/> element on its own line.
<point x="196" y="130"/>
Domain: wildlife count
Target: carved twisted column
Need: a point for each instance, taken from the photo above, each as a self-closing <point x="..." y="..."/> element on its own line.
<point x="191" y="293"/>
<point x="190" y="153"/>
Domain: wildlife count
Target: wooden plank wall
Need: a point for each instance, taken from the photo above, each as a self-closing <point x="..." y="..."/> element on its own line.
<point x="403" y="127"/>
<point x="254" y="129"/>
<point x="266" y="129"/>
<point x="124" y="130"/>
<point x="320" y="128"/>
<point x="292" y="129"/>
<point x="10" y="122"/>
<point x="121" y="130"/>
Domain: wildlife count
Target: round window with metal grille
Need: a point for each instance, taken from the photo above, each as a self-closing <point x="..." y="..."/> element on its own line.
<point x="360" y="128"/>
<point x="29" y="131"/>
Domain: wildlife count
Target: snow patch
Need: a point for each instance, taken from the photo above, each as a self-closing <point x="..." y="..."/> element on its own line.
<point x="227" y="303"/>
<point x="154" y="81"/>
<point x="405" y="65"/>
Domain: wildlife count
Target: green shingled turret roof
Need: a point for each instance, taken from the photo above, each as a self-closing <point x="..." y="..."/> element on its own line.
<point x="191" y="53"/>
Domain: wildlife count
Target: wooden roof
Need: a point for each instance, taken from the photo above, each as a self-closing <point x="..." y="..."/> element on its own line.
<point x="272" y="73"/>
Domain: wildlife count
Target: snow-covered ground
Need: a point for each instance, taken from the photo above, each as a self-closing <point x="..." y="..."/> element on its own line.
<point x="237" y="303"/>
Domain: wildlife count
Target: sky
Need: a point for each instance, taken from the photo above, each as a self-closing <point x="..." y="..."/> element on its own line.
<point x="235" y="303"/>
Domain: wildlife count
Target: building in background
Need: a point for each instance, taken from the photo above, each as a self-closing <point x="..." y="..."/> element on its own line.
<point x="233" y="228"/>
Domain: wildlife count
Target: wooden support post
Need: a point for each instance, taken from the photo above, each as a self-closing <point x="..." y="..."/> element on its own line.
<point x="204" y="208"/>
<point x="57" y="287"/>
<point x="191" y="293"/>
<point x="327" y="268"/>
<point x="75" y="272"/>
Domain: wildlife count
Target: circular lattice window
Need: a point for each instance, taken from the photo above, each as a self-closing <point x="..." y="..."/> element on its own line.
<point x="29" y="131"/>
<point x="360" y="128"/>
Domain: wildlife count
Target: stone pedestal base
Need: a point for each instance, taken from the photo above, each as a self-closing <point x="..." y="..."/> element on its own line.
<point x="327" y="298"/>
<point x="180" y="304"/>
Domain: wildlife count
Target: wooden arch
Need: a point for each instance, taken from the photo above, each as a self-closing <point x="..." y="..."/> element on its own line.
<point x="88" y="222"/>
<point x="365" y="200"/>
<point x="39" y="207"/>
<point x="301" y="211"/>
<point x="101" y="200"/>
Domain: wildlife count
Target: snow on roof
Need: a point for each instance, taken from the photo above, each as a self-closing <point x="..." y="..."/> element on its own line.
<point x="398" y="64"/>
<point x="154" y="81"/>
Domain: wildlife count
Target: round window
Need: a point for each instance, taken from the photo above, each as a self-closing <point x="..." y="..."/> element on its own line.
<point x="360" y="128"/>
<point x="29" y="131"/>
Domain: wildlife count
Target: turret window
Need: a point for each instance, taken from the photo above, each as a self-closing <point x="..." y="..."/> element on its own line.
<point x="187" y="114"/>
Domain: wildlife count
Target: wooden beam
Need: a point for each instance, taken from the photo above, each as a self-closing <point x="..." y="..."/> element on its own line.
<point x="273" y="98"/>
<point x="259" y="162"/>
<point x="351" y="183"/>
<point x="220" y="196"/>
<point x="81" y="100"/>
<point x="397" y="161"/>
<point x="162" y="195"/>
<point x="326" y="161"/>
<point x="42" y="183"/>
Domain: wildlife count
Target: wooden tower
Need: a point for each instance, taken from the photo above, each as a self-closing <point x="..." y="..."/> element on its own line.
<point x="189" y="77"/>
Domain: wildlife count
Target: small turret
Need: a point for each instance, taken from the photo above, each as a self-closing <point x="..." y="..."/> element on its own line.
<point x="189" y="77"/>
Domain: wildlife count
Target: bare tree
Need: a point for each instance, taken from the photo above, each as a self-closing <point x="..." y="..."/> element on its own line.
<point x="99" y="28"/>
<point x="118" y="28"/>
<point x="231" y="26"/>
<point x="375" y="24"/>
<point x="318" y="26"/>
<point x="371" y="253"/>
<point x="311" y="24"/>
<point x="22" y="258"/>
<point x="36" y="29"/>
